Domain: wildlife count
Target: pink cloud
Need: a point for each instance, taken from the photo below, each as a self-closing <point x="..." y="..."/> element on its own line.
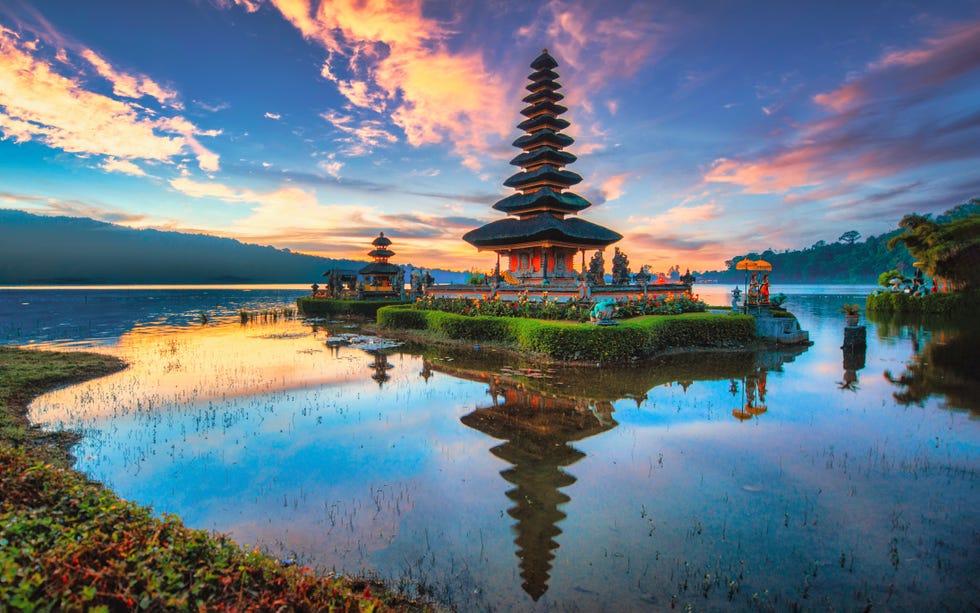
<point x="875" y="126"/>
<point x="677" y="216"/>
<point x="612" y="187"/>
<point x="840" y="99"/>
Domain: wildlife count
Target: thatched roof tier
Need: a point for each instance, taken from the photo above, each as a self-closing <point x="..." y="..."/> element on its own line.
<point x="379" y="268"/>
<point x="544" y="107"/>
<point x="543" y="155"/>
<point x="544" y="61"/>
<point x="381" y="241"/>
<point x="542" y="122"/>
<point x="544" y="199"/>
<point x="540" y="85"/>
<point x="543" y="75"/>
<point x="544" y="228"/>
<point x="544" y="94"/>
<point x="543" y="138"/>
<point x="545" y="175"/>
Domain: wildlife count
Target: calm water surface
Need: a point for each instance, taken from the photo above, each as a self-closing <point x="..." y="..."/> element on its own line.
<point x="766" y="479"/>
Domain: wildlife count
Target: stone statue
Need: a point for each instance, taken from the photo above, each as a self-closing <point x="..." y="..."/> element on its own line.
<point x="597" y="269"/>
<point x="643" y="277"/>
<point x="620" y="268"/>
<point x="753" y="297"/>
<point x="602" y="313"/>
<point x="764" y="289"/>
<point x="736" y="296"/>
<point x="400" y="282"/>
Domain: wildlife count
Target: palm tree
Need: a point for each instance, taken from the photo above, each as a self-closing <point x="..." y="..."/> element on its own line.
<point x="947" y="250"/>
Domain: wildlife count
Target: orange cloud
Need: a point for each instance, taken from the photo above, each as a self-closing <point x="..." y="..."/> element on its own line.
<point x="213" y="189"/>
<point x="39" y="103"/>
<point x="399" y="65"/>
<point x="130" y="86"/>
<point x="124" y="166"/>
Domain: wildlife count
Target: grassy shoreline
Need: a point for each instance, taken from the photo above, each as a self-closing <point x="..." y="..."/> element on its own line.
<point x="67" y="543"/>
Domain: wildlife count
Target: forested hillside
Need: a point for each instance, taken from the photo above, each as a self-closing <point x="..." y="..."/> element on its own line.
<point x="822" y="262"/>
<point x="42" y="250"/>
<point x="847" y="260"/>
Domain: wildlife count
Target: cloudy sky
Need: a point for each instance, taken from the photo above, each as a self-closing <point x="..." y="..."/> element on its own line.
<point x="704" y="129"/>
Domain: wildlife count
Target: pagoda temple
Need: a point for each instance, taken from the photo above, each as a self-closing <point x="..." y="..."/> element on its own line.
<point x="541" y="235"/>
<point x="536" y="243"/>
<point x="379" y="276"/>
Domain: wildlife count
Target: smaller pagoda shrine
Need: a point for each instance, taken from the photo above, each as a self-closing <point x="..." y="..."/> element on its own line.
<point x="380" y="276"/>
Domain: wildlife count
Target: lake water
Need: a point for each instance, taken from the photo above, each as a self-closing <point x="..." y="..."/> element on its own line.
<point x="755" y="479"/>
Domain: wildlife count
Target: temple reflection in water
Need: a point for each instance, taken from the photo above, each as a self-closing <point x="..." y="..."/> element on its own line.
<point x="381" y="366"/>
<point x="536" y="430"/>
<point x="538" y="411"/>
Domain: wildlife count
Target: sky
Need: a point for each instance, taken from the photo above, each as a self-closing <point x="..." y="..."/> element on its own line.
<point x="704" y="129"/>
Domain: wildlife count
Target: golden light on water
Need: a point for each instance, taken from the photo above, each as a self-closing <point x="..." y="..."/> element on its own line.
<point x="183" y="364"/>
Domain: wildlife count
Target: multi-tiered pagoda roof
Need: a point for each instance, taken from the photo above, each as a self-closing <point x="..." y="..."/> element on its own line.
<point x="537" y="213"/>
<point x="380" y="253"/>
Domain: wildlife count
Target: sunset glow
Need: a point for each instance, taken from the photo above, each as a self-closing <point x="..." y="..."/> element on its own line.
<point x="703" y="131"/>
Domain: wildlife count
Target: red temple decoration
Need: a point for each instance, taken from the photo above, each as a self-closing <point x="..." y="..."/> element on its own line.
<point x="541" y="235"/>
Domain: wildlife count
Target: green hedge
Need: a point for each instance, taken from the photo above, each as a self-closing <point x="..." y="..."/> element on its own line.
<point x="951" y="303"/>
<point x="479" y="328"/>
<point x="631" y="339"/>
<point x="329" y="307"/>
<point x="395" y="317"/>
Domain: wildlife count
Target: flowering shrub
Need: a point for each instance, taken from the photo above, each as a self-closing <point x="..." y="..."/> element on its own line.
<point x="551" y="309"/>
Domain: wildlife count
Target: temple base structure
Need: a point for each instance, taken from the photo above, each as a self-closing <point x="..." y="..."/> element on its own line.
<point x="562" y="292"/>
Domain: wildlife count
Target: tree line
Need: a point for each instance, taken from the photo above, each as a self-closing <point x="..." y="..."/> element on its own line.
<point x="942" y="246"/>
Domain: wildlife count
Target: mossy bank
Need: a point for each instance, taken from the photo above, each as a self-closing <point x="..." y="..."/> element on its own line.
<point x="631" y="339"/>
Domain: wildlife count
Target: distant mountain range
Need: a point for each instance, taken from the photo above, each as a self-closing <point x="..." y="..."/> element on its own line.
<point x="43" y="250"/>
